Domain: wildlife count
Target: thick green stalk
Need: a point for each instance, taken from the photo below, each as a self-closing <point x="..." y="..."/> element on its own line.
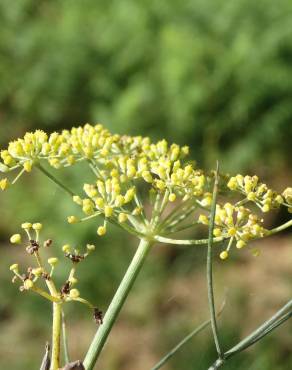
<point x="116" y="304"/>
<point x="56" y="335"/>
<point x="65" y="340"/>
<point x="209" y="268"/>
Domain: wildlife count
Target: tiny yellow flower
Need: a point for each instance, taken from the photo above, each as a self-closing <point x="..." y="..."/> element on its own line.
<point x="26" y="225"/>
<point x="14" y="267"/>
<point x="72" y="219"/>
<point x="172" y="197"/>
<point x="4" y="184"/>
<point x="240" y="244"/>
<point x="27" y="284"/>
<point x="217" y="232"/>
<point x="74" y="293"/>
<point x="231" y="231"/>
<point x="53" y="261"/>
<point x="123" y="217"/>
<point x="251" y="196"/>
<point x="101" y="230"/>
<point x="77" y="200"/>
<point x="147" y="176"/>
<point x="203" y="219"/>
<point x="108" y="211"/>
<point x="90" y="247"/>
<point x="38" y="271"/>
<point x="27" y="166"/>
<point x="224" y="255"/>
<point x="66" y="248"/>
<point x="266" y="208"/>
<point x="15" y="239"/>
<point x="37" y="226"/>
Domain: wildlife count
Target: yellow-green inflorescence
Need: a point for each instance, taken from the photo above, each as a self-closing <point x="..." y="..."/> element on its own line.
<point x="126" y="168"/>
<point x="31" y="278"/>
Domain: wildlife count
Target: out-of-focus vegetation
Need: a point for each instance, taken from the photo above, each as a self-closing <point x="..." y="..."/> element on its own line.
<point x="216" y="75"/>
<point x="212" y="74"/>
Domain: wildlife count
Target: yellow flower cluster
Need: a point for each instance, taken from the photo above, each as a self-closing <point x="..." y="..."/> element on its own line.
<point x="80" y="143"/>
<point x="254" y="191"/>
<point x="236" y="224"/>
<point x="108" y="197"/>
<point x="287" y="195"/>
<point x="121" y="164"/>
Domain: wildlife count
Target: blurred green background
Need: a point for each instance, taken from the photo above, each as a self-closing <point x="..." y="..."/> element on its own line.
<point x="216" y="75"/>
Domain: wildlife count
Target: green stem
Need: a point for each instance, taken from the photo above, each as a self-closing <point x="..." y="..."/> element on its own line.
<point x="54" y="179"/>
<point x="218" y="239"/>
<point x="260" y="330"/>
<point x="280" y="228"/>
<point x="271" y="324"/>
<point x="65" y="340"/>
<point x="116" y="304"/>
<point x="209" y="268"/>
<point x="162" y="239"/>
<point x="56" y="335"/>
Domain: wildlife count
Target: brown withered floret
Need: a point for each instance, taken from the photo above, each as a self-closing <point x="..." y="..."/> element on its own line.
<point x="33" y="247"/>
<point x="98" y="317"/>
<point x="65" y="288"/>
<point x="48" y="243"/>
<point x="46" y="276"/>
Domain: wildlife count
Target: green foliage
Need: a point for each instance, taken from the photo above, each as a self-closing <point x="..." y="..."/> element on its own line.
<point x="212" y="74"/>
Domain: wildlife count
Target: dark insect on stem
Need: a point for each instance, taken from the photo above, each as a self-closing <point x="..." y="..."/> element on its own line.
<point x="46" y="276"/>
<point x="65" y="288"/>
<point x="74" y="257"/>
<point x="97" y="314"/>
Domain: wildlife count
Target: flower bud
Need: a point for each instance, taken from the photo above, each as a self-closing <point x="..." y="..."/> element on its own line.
<point x="4" y="184"/>
<point x="14" y="267"/>
<point x="66" y="248"/>
<point x="37" y="226"/>
<point x="53" y="261"/>
<point x="224" y="255"/>
<point x="101" y="230"/>
<point x="15" y="239"/>
<point x="26" y="226"/>
<point x="123" y="217"/>
<point x="74" y="293"/>
<point x="172" y="197"/>
<point x="27" y="284"/>
<point x="72" y="219"/>
<point x="90" y="247"/>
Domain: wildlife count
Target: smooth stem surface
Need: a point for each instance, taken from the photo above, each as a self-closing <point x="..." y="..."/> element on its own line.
<point x="209" y="268"/>
<point x="271" y="324"/>
<point x="260" y="330"/>
<point x="56" y="335"/>
<point x="65" y="341"/>
<point x="116" y="304"/>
